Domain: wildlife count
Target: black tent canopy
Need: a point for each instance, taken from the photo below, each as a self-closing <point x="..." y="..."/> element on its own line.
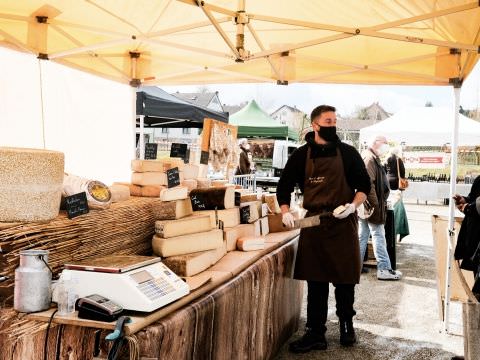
<point x="164" y="110"/>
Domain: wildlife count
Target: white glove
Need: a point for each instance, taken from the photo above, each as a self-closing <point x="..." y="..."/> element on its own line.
<point x="288" y="220"/>
<point x="349" y="209"/>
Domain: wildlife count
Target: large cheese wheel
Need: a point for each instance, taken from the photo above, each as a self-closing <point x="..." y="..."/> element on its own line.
<point x="185" y="226"/>
<point x="30" y="184"/>
<point x="229" y="217"/>
<point x="171" y="210"/>
<point x="159" y="165"/>
<point x="192" y="264"/>
<point x="186" y="244"/>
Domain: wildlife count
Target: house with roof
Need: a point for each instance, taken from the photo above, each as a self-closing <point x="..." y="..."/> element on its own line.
<point x="209" y="100"/>
<point x="291" y="116"/>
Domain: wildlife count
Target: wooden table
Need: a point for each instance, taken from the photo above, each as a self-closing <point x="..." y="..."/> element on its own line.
<point x="249" y="309"/>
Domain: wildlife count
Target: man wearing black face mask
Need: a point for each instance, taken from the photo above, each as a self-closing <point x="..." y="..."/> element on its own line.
<point x="329" y="173"/>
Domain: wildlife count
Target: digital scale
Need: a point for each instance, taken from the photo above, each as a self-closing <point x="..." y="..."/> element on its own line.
<point x="138" y="283"/>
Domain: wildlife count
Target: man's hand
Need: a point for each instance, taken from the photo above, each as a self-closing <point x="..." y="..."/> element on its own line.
<point x="349" y="209"/>
<point x="288" y="220"/>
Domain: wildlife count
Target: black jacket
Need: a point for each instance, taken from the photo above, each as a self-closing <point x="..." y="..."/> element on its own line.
<point x="392" y="171"/>
<point x="469" y="236"/>
<point x="294" y="172"/>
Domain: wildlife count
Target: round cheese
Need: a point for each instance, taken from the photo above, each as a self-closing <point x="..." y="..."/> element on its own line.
<point x="30" y="184"/>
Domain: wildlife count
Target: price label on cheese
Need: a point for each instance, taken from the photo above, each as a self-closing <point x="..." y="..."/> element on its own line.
<point x="76" y="205"/>
<point x="238" y="197"/>
<point x="245" y="214"/>
<point x="179" y="150"/>
<point x="198" y="202"/>
<point x="173" y="177"/>
<point x="204" y="158"/>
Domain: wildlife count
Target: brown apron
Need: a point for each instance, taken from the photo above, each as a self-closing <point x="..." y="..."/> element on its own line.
<point x="328" y="252"/>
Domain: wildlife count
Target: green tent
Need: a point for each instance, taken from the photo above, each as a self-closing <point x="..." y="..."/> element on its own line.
<point x="254" y="122"/>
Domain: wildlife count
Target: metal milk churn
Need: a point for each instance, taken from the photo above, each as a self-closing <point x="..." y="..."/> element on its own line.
<point x="33" y="280"/>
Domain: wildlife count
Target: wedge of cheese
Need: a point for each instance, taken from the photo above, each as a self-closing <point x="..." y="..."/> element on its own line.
<point x="203" y="183"/>
<point x="251" y="243"/>
<point x="158" y="165"/>
<point x="219" y="183"/>
<point x="149" y="178"/>
<point x="190" y="184"/>
<point x="185" y="226"/>
<point x="232" y="234"/>
<point x="192" y="264"/>
<point x="275" y="222"/>
<point x="186" y="244"/>
<point x="171" y="210"/>
<point x="271" y="201"/>
<point x="230" y="217"/>
<point x="248" y="197"/>
<point x="174" y="193"/>
<point x="119" y="193"/>
<point x="214" y="198"/>
<point x="190" y="171"/>
<point x="264" y="229"/>
<point x="152" y="190"/>
<point x="250" y="211"/>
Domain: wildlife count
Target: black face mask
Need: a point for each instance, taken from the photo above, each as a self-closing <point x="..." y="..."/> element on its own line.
<point x="328" y="133"/>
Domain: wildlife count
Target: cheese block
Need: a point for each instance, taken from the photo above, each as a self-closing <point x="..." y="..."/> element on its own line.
<point x="151" y="190"/>
<point x="271" y="201"/>
<point x="209" y="199"/>
<point x="264" y="210"/>
<point x="174" y="193"/>
<point x="98" y="194"/>
<point x="202" y="171"/>
<point x="30" y="184"/>
<point x="275" y="222"/>
<point x="185" y="226"/>
<point x="190" y="184"/>
<point x="149" y="178"/>
<point x="250" y="243"/>
<point x="219" y="183"/>
<point x="171" y="210"/>
<point x="264" y="229"/>
<point x="203" y="183"/>
<point x="159" y="165"/>
<point x="258" y="228"/>
<point x="230" y="217"/>
<point x="119" y="193"/>
<point x="186" y="244"/>
<point x="248" y="197"/>
<point x="190" y="171"/>
<point x="135" y="190"/>
<point x="232" y="234"/>
<point x="249" y="212"/>
<point x="192" y="264"/>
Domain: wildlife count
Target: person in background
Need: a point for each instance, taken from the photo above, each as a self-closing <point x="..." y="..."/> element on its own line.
<point x="375" y="224"/>
<point x="395" y="170"/>
<point x="243" y="167"/>
<point x="329" y="173"/>
<point x="468" y="244"/>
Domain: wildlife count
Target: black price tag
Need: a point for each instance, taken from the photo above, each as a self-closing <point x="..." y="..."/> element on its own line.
<point x="179" y="150"/>
<point x="151" y="151"/>
<point x="198" y="202"/>
<point x="204" y="158"/>
<point x="173" y="177"/>
<point x="237" y="198"/>
<point x="245" y="214"/>
<point x="76" y="205"/>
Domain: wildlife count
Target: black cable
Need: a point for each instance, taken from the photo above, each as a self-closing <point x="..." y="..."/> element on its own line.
<point x="59" y="339"/>
<point x="46" y="335"/>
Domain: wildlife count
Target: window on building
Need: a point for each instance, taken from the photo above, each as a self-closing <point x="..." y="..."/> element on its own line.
<point x="164" y="130"/>
<point x="186" y="131"/>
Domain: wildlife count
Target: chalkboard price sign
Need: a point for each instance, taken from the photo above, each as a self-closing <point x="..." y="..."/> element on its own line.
<point x="245" y="214"/>
<point x="237" y="198"/>
<point x="179" y="150"/>
<point x="198" y="203"/>
<point x="173" y="177"/>
<point x="204" y="158"/>
<point x="151" y="151"/>
<point x="76" y="205"/>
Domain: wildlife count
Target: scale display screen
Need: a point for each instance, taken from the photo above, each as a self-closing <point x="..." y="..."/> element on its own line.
<point x="141" y="276"/>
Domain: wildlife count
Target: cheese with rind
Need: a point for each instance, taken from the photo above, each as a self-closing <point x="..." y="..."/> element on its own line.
<point x="186" y="244"/>
<point x="185" y="226"/>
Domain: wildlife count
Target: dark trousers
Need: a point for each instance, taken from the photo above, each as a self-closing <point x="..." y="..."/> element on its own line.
<point x="317" y="304"/>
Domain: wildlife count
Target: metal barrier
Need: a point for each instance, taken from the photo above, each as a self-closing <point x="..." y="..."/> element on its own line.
<point x="247" y="181"/>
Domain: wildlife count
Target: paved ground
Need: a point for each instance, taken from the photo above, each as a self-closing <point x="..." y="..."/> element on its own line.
<point x="397" y="320"/>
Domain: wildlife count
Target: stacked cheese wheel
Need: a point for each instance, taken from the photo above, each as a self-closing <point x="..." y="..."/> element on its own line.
<point x="30" y="184"/>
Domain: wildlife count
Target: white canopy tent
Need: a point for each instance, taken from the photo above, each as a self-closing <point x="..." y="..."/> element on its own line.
<point x="411" y="42"/>
<point x="425" y="126"/>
